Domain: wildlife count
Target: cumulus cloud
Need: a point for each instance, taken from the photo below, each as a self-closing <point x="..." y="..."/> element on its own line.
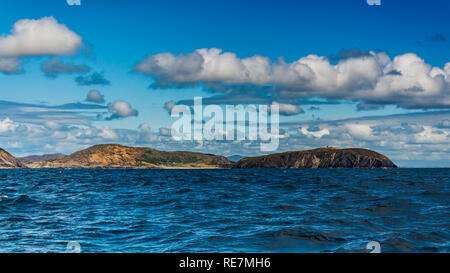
<point x="56" y="66"/>
<point x="286" y="109"/>
<point x="444" y="124"/>
<point x="432" y="135"/>
<point x="94" y="78"/>
<point x="145" y="134"/>
<point x="107" y="133"/>
<point x="95" y="96"/>
<point x="360" y="131"/>
<point x="53" y="125"/>
<point x="165" y="132"/>
<point x="144" y="127"/>
<point x="121" y="109"/>
<point x="169" y="106"/>
<point x="373" y="78"/>
<point x="315" y="134"/>
<point x="7" y="126"/>
<point x="10" y="65"/>
<point x="44" y="36"/>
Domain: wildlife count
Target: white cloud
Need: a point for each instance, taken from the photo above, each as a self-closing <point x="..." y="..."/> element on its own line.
<point x="165" y="132"/>
<point x="14" y="145"/>
<point x="95" y="96"/>
<point x="374" y="78"/>
<point x="121" y="109"/>
<point x="432" y="135"/>
<point x="144" y="127"/>
<point x="169" y="106"/>
<point x="44" y="36"/>
<point x="7" y="126"/>
<point x="360" y="131"/>
<point x="53" y="125"/>
<point x="10" y="65"/>
<point x="316" y="134"/>
<point x="288" y="109"/>
<point x="107" y="133"/>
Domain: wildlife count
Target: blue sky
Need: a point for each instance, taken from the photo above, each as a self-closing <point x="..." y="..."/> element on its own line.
<point x="118" y="35"/>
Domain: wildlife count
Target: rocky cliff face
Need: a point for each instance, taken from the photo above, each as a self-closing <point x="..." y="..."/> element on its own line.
<point x="118" y="156"/>
<point x="7" y="161"/>
<point x="319" y="158"/>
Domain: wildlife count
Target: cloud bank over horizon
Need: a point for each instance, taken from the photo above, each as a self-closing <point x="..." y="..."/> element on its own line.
<point x="417" y="137"/>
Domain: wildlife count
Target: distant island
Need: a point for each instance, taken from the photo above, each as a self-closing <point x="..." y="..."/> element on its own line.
<point x="38" y="158"/>
<point x="319" y="158"/>
<point x="119" y="156"/>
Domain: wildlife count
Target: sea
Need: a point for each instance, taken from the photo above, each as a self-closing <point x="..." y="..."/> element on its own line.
<point x="225" y="210"/>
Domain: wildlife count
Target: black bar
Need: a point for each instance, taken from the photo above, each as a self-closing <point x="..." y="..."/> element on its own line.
<point x="221" y="262"/>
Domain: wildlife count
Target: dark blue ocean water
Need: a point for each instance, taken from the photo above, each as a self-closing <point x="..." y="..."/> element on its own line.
<point x="225" y="210"/>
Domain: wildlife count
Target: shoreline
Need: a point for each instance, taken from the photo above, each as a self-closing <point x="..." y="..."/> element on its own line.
<point x="212" y="168"/>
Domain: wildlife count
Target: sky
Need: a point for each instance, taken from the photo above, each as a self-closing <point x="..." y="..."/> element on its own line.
<point x="345" y="73"/>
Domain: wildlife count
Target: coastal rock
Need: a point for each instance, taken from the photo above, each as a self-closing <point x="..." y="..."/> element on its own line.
<point x="7" y="161"/>
<point x="319" y="158"/>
